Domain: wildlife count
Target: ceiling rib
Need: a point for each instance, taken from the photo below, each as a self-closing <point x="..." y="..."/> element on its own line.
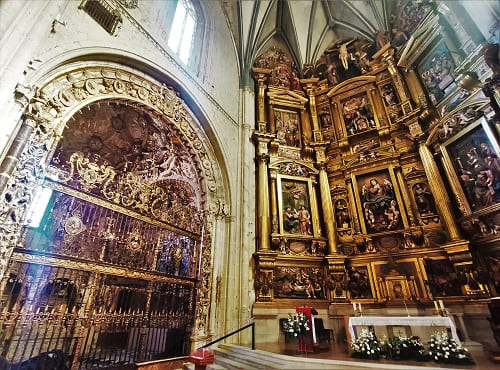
<point x="355" y="29"/>
<point x="251" y="41"/>
<point x="360" y="16"/>
<point x="310" y="31"/>
<point x="380" y="22"/>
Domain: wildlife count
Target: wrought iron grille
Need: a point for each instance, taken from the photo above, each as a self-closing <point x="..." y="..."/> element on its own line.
<point x="55" y="317"/>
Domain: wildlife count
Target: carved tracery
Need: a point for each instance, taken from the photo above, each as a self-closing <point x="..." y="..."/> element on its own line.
<point x="136" y="169"/>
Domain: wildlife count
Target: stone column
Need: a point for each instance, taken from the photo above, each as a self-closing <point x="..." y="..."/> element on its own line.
<point x="23" y="97"/>
<point x="438" y="189"/>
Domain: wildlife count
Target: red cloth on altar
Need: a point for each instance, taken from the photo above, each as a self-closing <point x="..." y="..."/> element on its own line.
<point x="306" y="341"/>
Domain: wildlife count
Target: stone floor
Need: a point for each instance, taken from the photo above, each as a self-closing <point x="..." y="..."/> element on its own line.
<point x="341" y="352"/>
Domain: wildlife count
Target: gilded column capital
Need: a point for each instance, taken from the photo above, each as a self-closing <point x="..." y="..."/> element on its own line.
<point x="320" y="149"/>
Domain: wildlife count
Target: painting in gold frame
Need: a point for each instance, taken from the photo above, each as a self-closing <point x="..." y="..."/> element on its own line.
<point x="287" y="127"/>
<point x="380" y="208"/>
<point x="296" y="206"/>
<point x="471" y="159"/>
<point x="358" y="114"/>
<point x="437" y="72"/>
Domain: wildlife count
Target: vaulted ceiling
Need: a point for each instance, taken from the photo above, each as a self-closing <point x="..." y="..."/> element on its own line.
<point x="303" y="28"/>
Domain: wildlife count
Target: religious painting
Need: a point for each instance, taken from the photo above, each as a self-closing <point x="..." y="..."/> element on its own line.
<point x="287" y="127"/>
<point x="342" y="214"/>
<point x="485" y="227"/>
<point x="424" y="199"/>
<point x="406" y="20"/>
<point x="397" y="288"/>
<point x="299" y="282"/>
<point x="358" y="114"/>
<point x="437" y="73"/>
<point x="473" y="155"/>
<point x="295" y="207"/>
<point x="493" y="268"/>
<point x="442" y="278"/>
<point x="379" y="205"/>
<point x="359" y="285"/>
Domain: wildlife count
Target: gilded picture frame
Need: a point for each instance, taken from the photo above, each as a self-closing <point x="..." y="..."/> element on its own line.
<point x="288" y="130"/>
<point x="379" y="202"/>
<point x="297" y="206"/>
<point x="471" y="160"/>
<point x="437" y="72"/>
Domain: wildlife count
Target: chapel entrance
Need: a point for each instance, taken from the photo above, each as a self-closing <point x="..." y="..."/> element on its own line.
<point x="106" y="271"/>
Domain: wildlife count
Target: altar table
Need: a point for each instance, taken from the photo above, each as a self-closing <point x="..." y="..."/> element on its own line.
<point x="403" y="321"/>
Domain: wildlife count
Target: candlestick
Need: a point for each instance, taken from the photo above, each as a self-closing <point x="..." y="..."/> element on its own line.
<point x="406" y="307"/>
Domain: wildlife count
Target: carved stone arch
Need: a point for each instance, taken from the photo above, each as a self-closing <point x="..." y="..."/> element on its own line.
<point x="55" y="101"/>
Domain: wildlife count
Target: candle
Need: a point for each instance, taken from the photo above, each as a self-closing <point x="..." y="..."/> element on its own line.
<point x="436" y="306"/>
<point x="359" y="307"/>
<point x="354" y="306"/>
<point x="441" y="304"/>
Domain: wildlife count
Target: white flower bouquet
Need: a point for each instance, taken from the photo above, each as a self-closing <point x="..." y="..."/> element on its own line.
<point x="366" y="346"/>
<point x="445" y="349"/>
<point x="296" y="325"/>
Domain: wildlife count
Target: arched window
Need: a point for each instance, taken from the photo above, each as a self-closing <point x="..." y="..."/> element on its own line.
<point x="185" y="30"/>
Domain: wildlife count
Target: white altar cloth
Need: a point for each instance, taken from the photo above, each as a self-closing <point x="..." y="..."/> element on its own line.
<point x="403" y="321"/>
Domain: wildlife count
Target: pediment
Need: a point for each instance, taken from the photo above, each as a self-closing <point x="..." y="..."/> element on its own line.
<point x="350" y="85"/>
<point x="287" y="97"/>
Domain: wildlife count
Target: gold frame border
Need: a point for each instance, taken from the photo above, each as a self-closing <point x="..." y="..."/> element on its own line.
<point x="312" y="203"/>
<point x="450" y="169"/>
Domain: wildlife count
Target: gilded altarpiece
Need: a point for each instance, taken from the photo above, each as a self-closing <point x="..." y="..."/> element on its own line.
<point x="373" y="230"/>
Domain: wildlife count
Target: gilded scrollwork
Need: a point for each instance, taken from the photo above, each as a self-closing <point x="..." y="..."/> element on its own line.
<point x="48" y="109"/>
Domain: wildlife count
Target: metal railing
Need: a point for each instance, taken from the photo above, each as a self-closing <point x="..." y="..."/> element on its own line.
<point x="234" y="332"/>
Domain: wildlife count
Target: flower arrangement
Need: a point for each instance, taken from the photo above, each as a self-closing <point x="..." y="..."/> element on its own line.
<point x="404" y="348"/>
<point x="296" y="325"/>
<point x="366" y="346"/>
<point x="444" y="349"/>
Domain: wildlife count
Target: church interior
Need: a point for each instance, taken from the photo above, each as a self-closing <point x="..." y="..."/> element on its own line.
<point x="174" y="171"/>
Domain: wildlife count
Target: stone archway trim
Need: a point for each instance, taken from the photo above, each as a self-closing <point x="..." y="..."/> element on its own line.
<point x="47" y="110"/>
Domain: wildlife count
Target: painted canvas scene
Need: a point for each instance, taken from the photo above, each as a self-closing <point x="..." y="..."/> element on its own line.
<point x="296" y="208"/>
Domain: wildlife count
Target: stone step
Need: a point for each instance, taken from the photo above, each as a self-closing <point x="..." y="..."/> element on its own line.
<point x="190" y="366"/>
<point x="216" y="367"/>
<point x="248" y="359"/>
<point x="231" y="363"/>
<point x="269" y="360"/>
<point x="257" y="357"/>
